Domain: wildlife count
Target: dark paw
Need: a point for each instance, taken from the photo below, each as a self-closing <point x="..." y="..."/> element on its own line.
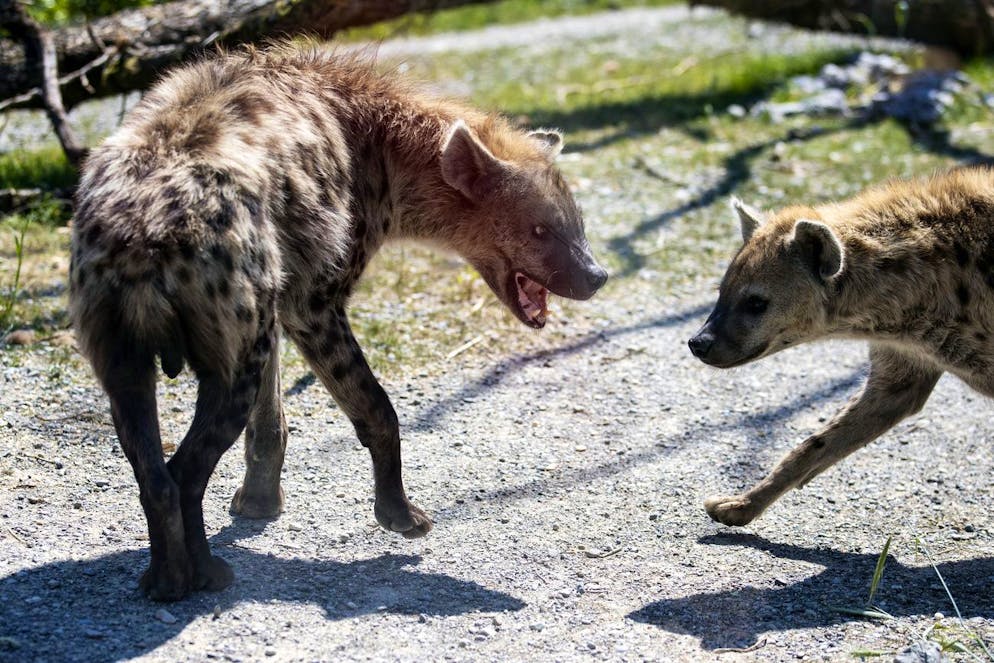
<point x="256" y="505"/>
<point x="214" y="574"/>
<point x="735" y="510"/>
<point x="162" y="582"/>
<point x="399" y="515"/>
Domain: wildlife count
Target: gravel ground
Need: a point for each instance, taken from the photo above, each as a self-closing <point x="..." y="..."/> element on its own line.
<point x="566" y="484"/>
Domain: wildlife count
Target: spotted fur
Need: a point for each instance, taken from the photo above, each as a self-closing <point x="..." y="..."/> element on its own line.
<point x="907" y="266"/>
<point x="245" y="195"/>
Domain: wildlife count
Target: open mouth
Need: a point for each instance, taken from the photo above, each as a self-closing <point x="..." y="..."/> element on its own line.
<point x="531" y="300"/>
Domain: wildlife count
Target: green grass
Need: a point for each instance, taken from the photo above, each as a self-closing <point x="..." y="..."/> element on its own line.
<point x="475" y="16"/>
<point x="44" y="168"/>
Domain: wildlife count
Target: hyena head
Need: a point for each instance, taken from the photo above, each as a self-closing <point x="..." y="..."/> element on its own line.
<point x="775" y="291"/>
<point x="521" y="228"/>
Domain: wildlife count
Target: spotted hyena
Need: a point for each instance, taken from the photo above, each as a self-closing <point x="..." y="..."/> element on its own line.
<point x="244" y="195"/>
<point x="908" y="266"/>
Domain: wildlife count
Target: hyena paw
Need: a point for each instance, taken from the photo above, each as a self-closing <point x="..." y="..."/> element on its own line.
<point x="736" y="510"/>
<point x="399" y="515"/>
<point x="212" y="574"/>
<point x="166" y="582"/>
<point x="257" y="505"/>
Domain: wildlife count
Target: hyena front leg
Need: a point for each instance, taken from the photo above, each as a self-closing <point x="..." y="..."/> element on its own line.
<point x="338" y="362"/>
<point x="260" y="495"/>
<point x="897" y="386"/>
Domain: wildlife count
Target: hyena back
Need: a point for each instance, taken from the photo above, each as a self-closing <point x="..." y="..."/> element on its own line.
<point x="908" y="266"/>
<point x="244" y="195"/>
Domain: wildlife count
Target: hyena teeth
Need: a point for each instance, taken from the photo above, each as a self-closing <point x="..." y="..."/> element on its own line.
<point x="532" y="298"/>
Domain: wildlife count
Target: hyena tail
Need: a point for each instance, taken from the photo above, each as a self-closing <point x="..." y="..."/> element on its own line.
<point x="136" y="323"/>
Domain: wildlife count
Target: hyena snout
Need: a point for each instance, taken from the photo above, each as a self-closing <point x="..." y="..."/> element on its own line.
<point x="702" y="343"/>
<point x="578" y="278"/>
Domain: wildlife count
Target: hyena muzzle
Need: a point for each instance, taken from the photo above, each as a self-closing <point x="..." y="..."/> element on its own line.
<point x="243" y="197"/>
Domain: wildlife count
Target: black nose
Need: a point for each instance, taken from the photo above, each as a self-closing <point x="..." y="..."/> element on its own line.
<point x="597" y="277"/>
<point x="701" y="344"/>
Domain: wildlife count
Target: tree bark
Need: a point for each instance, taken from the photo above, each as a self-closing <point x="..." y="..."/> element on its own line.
<point x="963" y="26"/>
<point x="128" y="50"/>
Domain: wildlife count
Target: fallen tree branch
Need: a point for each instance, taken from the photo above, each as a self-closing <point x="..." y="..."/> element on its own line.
<point x="39" y="51"/>
<point x="148" y="39"/>
<point x="963" y="26"/>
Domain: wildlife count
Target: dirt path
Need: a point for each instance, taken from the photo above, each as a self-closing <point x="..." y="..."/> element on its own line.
<point x="566" y="484"/>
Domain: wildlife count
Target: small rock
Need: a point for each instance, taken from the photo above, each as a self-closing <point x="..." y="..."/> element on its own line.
<point x="165" y="616"/>
<point x="537" y="626"/>
<point x="101" y="483"/>
<point x="921" y="652"/>
<point x="21" y="337"/>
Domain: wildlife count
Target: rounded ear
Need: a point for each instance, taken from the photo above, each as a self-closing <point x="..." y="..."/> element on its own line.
<point x="820" y="246"/>
<point x="551" y="141"/>
<point x="467" y="165"/>
<point x="749" y="218"/>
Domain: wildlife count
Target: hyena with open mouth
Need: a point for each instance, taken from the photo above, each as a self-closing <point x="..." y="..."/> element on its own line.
<point x="908" y="266"/>
<point x="244" y="195"/>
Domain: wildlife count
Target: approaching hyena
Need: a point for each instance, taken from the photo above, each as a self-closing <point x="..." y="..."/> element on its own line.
<point x="245" y="194"/>
<point x="908" y="266"/>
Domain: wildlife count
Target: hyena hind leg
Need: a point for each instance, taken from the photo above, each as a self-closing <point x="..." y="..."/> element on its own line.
<point x="260" y="495"/>
<point x="128" y="374"/>
<point x="898" y="386"/>
<point x="223" y="407"/>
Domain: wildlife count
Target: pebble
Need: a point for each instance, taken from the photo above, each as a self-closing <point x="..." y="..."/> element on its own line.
<point x="165" y="616"/>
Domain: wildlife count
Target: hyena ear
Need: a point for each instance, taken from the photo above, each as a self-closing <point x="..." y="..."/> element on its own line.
<point x="820" y="246"/>
<point x="467" y="165"/>
<point x="749" y="218"/>
<point x="551" y="141"/>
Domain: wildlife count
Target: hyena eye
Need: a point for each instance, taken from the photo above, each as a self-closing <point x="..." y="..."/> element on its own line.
<point x="539" y="231"/>
<point x="755" y="305"/>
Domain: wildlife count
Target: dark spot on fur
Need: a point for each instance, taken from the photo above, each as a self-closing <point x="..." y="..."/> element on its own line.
<point x="243" y="313"/>
<point x="250" y="107"/>
<point x="184" y="274"/>
<point x="892" y="264"/>
<point x="224" y="288"/>
<point x="980" y="336"/>
<point x="92" y="235"/>
<point x="963" y="294"/>
<point x="223" y="217"/>
<point x="339" y="371"/>
<point x="209" y="288"/>
<point x="962" y="255"/>
<point x="223" y="256"/>
<point x="316" y="301"/>
<point x="122" y="207"/>
<point x="187" y="251"/>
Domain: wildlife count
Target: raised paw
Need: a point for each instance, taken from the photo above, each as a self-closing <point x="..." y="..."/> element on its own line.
<point x="399" y="515"/>
<point x="165" y="582"/>
<point x="735" y="510"/>
<point x="212" y="574"/>
<point x="257" y="505"/>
